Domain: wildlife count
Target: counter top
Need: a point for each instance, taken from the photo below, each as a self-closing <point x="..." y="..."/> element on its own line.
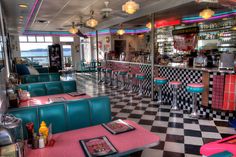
<point x="181" y="66"/>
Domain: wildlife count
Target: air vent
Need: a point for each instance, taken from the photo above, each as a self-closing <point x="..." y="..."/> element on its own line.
<point x="42" y="21"/>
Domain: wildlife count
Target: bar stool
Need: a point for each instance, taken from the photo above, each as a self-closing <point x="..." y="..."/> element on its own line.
<point x="160" y="81"/>
<point x="115" y="77"/>
<point x="131" y="76"/>
<point x="195" y="88"/>
<point x="103" y="69"/>
<point x="140" y="77"/>
<point x="99" y="69"/>
<point x="109" y="71"/>
<point x="175" y="86"/>
<point x="123" y="73"/>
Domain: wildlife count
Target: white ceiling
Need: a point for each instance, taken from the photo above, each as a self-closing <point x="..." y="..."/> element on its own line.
<point x="62" y="12"/>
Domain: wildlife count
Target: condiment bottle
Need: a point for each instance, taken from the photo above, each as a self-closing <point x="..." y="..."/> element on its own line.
<point x="41" y="141"/>
<point x="43" y="129"/>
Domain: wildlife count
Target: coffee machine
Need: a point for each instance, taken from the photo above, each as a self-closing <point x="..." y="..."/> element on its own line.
<point x="11" y="137"/>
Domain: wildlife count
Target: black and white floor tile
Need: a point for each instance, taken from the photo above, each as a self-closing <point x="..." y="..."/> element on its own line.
<point x="180" y="135"/>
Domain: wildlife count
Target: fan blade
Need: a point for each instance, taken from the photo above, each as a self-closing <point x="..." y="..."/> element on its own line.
<point x="80" y="34"/>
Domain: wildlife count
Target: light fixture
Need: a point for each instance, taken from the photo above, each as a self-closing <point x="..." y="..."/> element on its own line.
<point x="73" y="29"/>
<point x="120" y="31"/>
<point x="130" y="7"/>
<point x="23" y="5"/>
<point x="21" y="17"/>
<point x="92" y="22"/>
<point x="149" y="25"/>
<point x="207" y="13"/>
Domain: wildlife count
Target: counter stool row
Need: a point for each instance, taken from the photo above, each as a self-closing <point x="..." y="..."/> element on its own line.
<point x="123" y="72"/>
<point x="193" y="88"/>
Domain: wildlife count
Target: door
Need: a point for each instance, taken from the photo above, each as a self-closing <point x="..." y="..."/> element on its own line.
<point x="67" y="55"/>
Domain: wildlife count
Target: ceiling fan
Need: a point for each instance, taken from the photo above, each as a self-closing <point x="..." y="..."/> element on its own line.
<point x="107" y="11"/>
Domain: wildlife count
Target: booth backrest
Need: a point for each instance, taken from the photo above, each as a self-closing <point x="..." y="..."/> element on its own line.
<point x="47" y="77"/>
<point x="49" y="88"/>
<point x="67" y="115"/>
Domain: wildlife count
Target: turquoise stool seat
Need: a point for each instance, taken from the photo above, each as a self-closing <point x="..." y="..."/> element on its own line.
<point x="195" y="88"/>
<point x="108" y="70"/>
<point x="122" y="72"/>
<point x="160" y="80"/>
<point x="140" y="76"/>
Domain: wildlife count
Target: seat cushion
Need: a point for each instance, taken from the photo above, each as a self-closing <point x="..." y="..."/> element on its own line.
<point x="37" y="90"/>
<point x="69" y="86"/>
<point x="78" y="114"/>
<point x="100" y="111"/>
<point x="140" y="76"/>
<point x="30" y="79"/>
<point x="54" y="77"/>
<point x="54" y="88"/>
<point x="43" y="78"/>
<point x="195" y="88"/>
<point x="27" y="115"/>
<point x="53" y="114"/>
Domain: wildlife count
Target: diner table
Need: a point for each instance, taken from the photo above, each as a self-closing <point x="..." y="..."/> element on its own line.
<point x="41" y="100"/>
<point x="220" y="146"/>
<point x="67" y="143"/>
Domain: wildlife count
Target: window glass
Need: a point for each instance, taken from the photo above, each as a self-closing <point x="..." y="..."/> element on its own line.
<point x="35" y="48"/>
<point x="66" y="39"/>
<point x="23" y="38"/>
<point x="48" y="39"/>
<point x="31" y="39"/>
<point x="40" y="39"/>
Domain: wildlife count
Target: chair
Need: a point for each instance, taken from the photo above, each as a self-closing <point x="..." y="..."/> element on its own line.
<point x="160" y="81"/>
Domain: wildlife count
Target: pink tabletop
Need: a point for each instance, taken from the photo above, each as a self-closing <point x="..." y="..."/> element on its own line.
<point x="218" y="146"/>
<point x="41" y="100"/>
<point x="67" y="143"/>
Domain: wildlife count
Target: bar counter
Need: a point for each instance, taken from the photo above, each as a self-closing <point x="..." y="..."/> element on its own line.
<point x="217" y="103"/>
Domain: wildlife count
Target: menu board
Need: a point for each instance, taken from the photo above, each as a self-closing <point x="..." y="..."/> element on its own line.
<point x="96" y="147"/>
<point x="118" y="126"/>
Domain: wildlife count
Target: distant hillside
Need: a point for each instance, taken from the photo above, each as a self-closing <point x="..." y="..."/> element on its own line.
<point x="43" y="50"/>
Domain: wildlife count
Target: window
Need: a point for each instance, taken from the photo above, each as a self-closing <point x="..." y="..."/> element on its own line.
<point x="35" y="48"/>
<point x="66" y="39"/>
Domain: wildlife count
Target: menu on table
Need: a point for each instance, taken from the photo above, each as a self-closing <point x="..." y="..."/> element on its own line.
<point x="56" y="99"/>
<point x="96" y="147"/>
<point x="118" y="126"/>
<point x="74" y="94"/>
<point x="229" y="141"/>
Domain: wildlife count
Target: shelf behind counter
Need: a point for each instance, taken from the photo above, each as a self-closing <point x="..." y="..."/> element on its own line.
<point x="214" y="102"/>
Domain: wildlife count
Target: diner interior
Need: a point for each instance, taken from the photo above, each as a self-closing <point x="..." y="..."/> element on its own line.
<point x="117" y="78"/>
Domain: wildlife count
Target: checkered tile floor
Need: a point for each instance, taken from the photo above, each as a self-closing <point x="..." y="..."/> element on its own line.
<point x="180" y="135"/>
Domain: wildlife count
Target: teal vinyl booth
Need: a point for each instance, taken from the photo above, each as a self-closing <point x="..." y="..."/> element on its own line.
<point x="65" y="116"/>
<point x="44" y="77"/>
<point x="49" y="88"/>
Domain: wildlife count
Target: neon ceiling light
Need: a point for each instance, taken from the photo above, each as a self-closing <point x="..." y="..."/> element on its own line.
<point x="31" y="13"/>
<point x="52" y="33"/>
<point x="216" y="16"/>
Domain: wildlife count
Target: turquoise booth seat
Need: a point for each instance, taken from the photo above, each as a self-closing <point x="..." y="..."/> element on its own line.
<point x="47" y="77"/>
<point x="65" y="116"/>
<point x="49" y="88"/>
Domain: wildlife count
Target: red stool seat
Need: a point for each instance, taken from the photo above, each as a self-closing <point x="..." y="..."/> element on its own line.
<point x="196" y="85"/>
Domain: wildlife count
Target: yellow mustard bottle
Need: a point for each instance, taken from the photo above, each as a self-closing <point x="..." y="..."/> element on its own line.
<point x="43" y="129"/>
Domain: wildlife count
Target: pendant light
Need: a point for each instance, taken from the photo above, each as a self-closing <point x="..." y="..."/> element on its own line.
<point x="149" y="25"/>
<point x="120" y="31"/>
<point x="130" y="7"/>
<point x="207" y="13"/>
<point x="73" y="29"/>
<point x="92" y="22"/>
